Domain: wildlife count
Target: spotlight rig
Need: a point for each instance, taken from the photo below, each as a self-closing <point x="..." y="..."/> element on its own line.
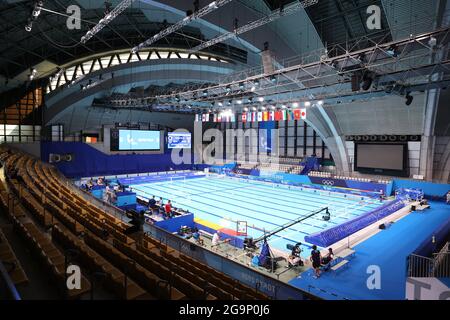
<point x="109" y="16"/>
<point x="34" y="15"/>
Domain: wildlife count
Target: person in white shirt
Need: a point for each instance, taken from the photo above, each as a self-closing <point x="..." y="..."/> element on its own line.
<point x="215" y="240"/>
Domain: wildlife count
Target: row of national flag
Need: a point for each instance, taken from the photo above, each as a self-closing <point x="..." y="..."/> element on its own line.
<point x="207" y="117"/>
<point x="262" y="116"/>
<point x="280" y="115"/>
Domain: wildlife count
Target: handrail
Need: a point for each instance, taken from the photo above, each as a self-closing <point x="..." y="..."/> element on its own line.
<point x="13" y="293"/>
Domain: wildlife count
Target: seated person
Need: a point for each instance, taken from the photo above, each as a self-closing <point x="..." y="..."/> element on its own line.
<point x="326" y="260"/>
<point x="196" y="236"/>
<point x="448" y="198"/>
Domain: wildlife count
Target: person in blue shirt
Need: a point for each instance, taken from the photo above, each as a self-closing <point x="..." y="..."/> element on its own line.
<point x="152" y="203"/>
<point x="196" y="236"/>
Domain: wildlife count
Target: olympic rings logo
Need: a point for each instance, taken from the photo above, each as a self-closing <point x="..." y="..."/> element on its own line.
<point x="328" y="182"/>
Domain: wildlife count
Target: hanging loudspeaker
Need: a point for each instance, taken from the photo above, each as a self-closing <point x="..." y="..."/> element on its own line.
<point x="54" y="158"/>
<point x="67" y="157"/>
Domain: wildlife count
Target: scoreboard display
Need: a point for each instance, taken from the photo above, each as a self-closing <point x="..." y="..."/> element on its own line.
<point x="179" y="140"/>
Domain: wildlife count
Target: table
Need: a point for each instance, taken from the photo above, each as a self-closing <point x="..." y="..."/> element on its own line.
<point x="347" y="252"/>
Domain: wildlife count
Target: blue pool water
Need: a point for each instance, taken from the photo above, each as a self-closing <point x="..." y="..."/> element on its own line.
<point x="265" y="206"/>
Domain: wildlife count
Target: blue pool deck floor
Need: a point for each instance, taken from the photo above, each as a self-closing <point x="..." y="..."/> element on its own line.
<point x="388" y="250"/>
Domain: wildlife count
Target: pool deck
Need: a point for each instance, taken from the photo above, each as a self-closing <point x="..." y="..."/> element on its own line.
<point x="386" y="250"/>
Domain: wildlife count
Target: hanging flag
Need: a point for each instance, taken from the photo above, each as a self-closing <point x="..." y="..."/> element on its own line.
<point x="303" y="114"/>
<point x="244" y="117"/>
<point x="271" y="115"/>
<point x="215" y="117"/>
<point x="278" y="115"/>
<point x="284" y="115"/>
<point x="219" y="118"/>
<point x="233" y="117"/>
<point x="207" y="117"/>
<point x="290" y="115"/>
<point x="297" y="114"/>
<point x="260" y="116"/>
<point x="196" y="117"/>
<point x="253" y="116"/>
<point x="265" y="116"/>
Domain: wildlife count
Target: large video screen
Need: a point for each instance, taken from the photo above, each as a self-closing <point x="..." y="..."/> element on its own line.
<point x="139" y="140"/>
<point x="381" y="158"/>
<point x="178" y="140"/>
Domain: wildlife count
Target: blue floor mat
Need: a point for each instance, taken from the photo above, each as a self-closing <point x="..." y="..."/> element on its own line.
<point x="388" y="249"/>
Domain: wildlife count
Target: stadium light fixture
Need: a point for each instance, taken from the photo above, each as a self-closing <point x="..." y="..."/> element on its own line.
<point x="366" y="81"/>
<point x="180" y="24"/>
<point x="409" y="99"/>
<point x="32" y="74"/>
<point x="295" y="105"/>
<point x="392" y="51"/>
<point x="106" y="20"/>
<point x="307" y="104"/>
<point x="261" y="99"/>
<point x="34" y="15"/>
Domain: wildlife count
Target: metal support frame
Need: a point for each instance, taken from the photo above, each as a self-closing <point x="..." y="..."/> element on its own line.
<point x="106" y="20"/>
<point x="256" y="24"/>
<point x="180" y="24"/>
<point x="320" y="76"/>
